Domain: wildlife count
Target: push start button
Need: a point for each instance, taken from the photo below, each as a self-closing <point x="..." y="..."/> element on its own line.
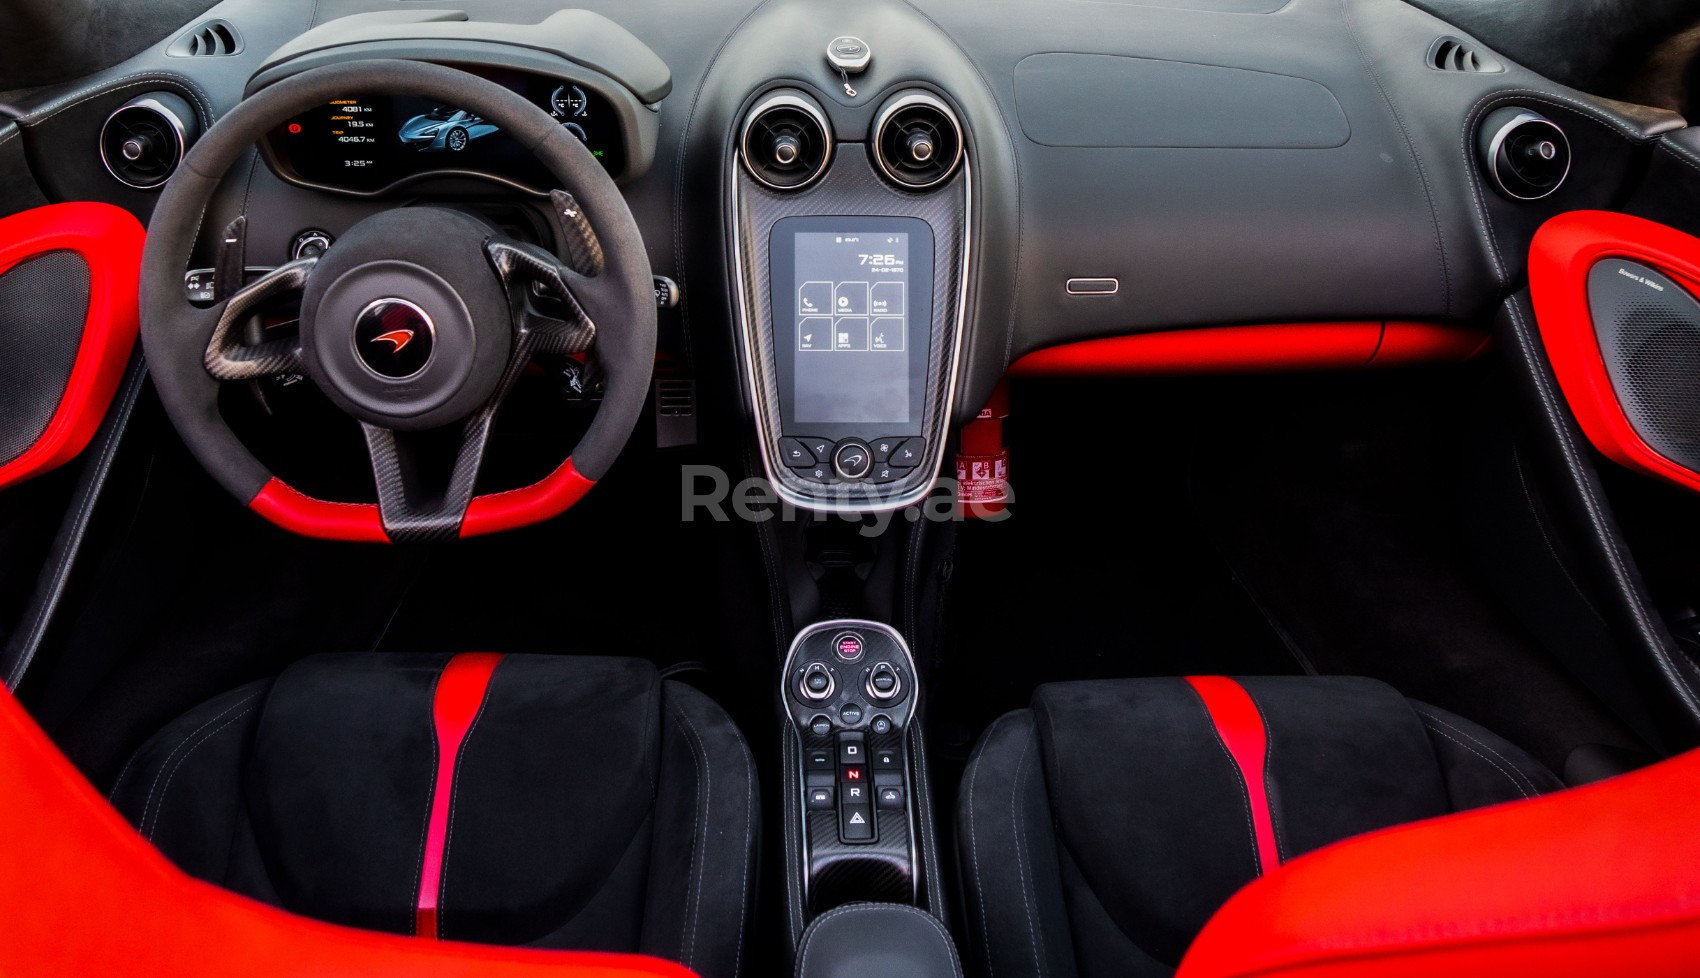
<point x="849" y="646"/>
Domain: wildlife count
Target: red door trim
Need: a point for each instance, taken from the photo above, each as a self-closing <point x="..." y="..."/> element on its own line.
<point x="1240" y="728"/>
<point x="109" y="240"/>
<point x="1564" y="251"/>
<point x="455" y="706"/>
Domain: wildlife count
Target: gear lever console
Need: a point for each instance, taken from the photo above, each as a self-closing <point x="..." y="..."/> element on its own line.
<point x="850" y="690"/>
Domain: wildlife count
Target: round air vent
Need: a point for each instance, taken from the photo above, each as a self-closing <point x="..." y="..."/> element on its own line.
<point x="1524" y="153"/>
<point x="142" y="143"/>
<point x="917" y="141"/>
<point x="787" y="142"/>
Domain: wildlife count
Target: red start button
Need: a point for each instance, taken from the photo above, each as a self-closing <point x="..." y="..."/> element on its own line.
<point x="849" y="646"/>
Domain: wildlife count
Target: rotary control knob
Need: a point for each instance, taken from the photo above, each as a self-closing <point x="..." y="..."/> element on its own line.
<point x="883" y="683"/>
<point x="816" y="683"/>
<point x="310" y="243"/>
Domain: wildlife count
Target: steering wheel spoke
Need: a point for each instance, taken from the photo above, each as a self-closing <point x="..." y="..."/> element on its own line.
<point x="228" y="357"/>
<point x="529" y="273"/>
<point x="426" y="479"/>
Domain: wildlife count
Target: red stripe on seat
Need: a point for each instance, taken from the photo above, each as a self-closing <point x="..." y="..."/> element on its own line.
<point x="1241" y="728"/>
<point x="459" y="696"/>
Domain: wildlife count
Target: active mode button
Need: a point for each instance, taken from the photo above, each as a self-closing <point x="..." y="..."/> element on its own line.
<point x="852" y="459"/>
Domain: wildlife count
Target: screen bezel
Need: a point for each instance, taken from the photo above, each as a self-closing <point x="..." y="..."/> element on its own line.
<point x="919" y="326"/>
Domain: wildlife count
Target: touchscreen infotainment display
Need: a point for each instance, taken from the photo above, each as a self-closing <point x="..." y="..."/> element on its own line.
<point x="852" y="310"/>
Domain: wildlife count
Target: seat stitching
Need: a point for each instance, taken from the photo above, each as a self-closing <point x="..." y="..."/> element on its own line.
<point x="929" y="857"/>
<point x="687" y="950"/>
<point x="1490" y="761"/>
<point x="749" y="852"/>
<point x="147" y="803"/>
<point x="793" y="851"/>
<point x="1484" y="745"/>
<point x="974" y="848"/>
<point x="1239" y="778"/>
<point x="180" y="761"/>
<point x="1021" y="769"/>
<point x="454" y="802"/>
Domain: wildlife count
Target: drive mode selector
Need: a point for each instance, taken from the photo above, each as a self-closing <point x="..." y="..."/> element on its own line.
<point x="852" y="459"/>
<point x="883" y="683"/>
<point x="816" y="683"/>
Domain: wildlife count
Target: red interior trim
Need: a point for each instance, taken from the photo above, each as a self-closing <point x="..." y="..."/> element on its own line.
<point x="522" y="507"/>
<point x="1598" y="880"/>
<point x="299" y="513"/>
<point x="109" y="240"/>
<point x="1240" y="727"/>
<point x="82" y="894"/>
<point x="454" y="707"/>
<point x="1564" y="251"/>
<point x="360" y="522"/>
<point x="1256" y="349"/>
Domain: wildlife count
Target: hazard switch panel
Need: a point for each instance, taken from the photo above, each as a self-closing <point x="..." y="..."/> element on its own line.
<point x="850" y="691"/>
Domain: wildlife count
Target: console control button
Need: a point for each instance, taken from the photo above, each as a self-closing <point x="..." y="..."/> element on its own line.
<point x="908" y="455"/>
<point x="856" y="822"/>
<point x="886" y="759"/>
<point x="853" y="459"/>
<point x="882" y="447"/>
<point x="889" y="797"/>
<point x="849" y="646"/>
<point x="820" y="448"/>
<point x="852" y="749"/>
<point x="850" y="714"/>
<point x="885" y="473"/>
<point x="857" y="793"/>
<point x="796" y="455"/>
<point x="816" y="683"/>
<point x="881" y="725"/>
<point x="818" y="758"/>
<point x="817" y="473"/>
<point x="883" y="684"/>
<point x="820" y="726"/>
<point x="820" y="799"/>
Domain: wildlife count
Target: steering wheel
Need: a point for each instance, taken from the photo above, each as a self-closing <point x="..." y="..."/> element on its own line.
<point x="417" y="319"/>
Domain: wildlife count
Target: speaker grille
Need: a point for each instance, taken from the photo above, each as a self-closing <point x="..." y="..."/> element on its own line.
<point x="1649" y="332"/>
<point x="43" y="303"/>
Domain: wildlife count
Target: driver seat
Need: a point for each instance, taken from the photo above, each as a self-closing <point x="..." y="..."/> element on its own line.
<point x="575" y="803"/>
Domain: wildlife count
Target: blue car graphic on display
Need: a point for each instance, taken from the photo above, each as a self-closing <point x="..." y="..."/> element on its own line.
<point x="444" y="128"/>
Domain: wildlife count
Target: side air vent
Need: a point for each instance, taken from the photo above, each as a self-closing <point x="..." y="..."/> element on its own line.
<point x="142" y="143"/>
<point x="1524" y="153"/>
<point x="1457" y="54"/>
<point x="917" y="141"/>
<point x="787" y="142"/>
<point x="213" y="39"/>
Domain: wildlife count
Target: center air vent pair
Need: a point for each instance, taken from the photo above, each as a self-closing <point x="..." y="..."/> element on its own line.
<point x="916" y="141"/>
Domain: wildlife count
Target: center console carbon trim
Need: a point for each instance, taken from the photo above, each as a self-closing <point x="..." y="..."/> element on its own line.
<point x="850" y="175"/>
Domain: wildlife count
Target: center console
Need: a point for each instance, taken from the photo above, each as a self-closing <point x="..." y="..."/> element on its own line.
<point x="850" y="263"/>
<point x="850" y="692"/>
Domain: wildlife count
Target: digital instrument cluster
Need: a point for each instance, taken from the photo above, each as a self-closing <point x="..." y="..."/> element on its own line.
<point x="368" y="144"/>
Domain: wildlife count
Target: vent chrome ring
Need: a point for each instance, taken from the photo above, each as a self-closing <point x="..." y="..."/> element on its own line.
<point x="787" y="153"/>
<point x="135" y="153"/>
<point x="944" y="164"/>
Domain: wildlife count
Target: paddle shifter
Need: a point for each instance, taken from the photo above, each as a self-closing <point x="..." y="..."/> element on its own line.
<point x="850" y="691"/>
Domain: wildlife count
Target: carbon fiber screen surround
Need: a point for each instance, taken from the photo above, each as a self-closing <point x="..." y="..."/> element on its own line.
<point x="44" y="303"/>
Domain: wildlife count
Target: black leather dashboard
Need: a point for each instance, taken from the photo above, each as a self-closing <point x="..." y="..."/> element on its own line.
<point x="1228" y="161"/>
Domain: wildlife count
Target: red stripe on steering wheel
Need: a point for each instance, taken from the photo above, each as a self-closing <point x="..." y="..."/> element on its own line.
<point x="299" y="513"/>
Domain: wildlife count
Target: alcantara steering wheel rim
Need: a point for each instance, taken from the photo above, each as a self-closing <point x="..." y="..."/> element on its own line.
<point x="616" y="302"/>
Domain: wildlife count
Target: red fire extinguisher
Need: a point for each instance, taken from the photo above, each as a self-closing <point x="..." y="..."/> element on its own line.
<point x="982" y="461"/>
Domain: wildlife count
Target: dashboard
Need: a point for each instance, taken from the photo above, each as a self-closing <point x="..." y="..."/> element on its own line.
<point x="1122" y="167"/>
<point x="370" y="145"/>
